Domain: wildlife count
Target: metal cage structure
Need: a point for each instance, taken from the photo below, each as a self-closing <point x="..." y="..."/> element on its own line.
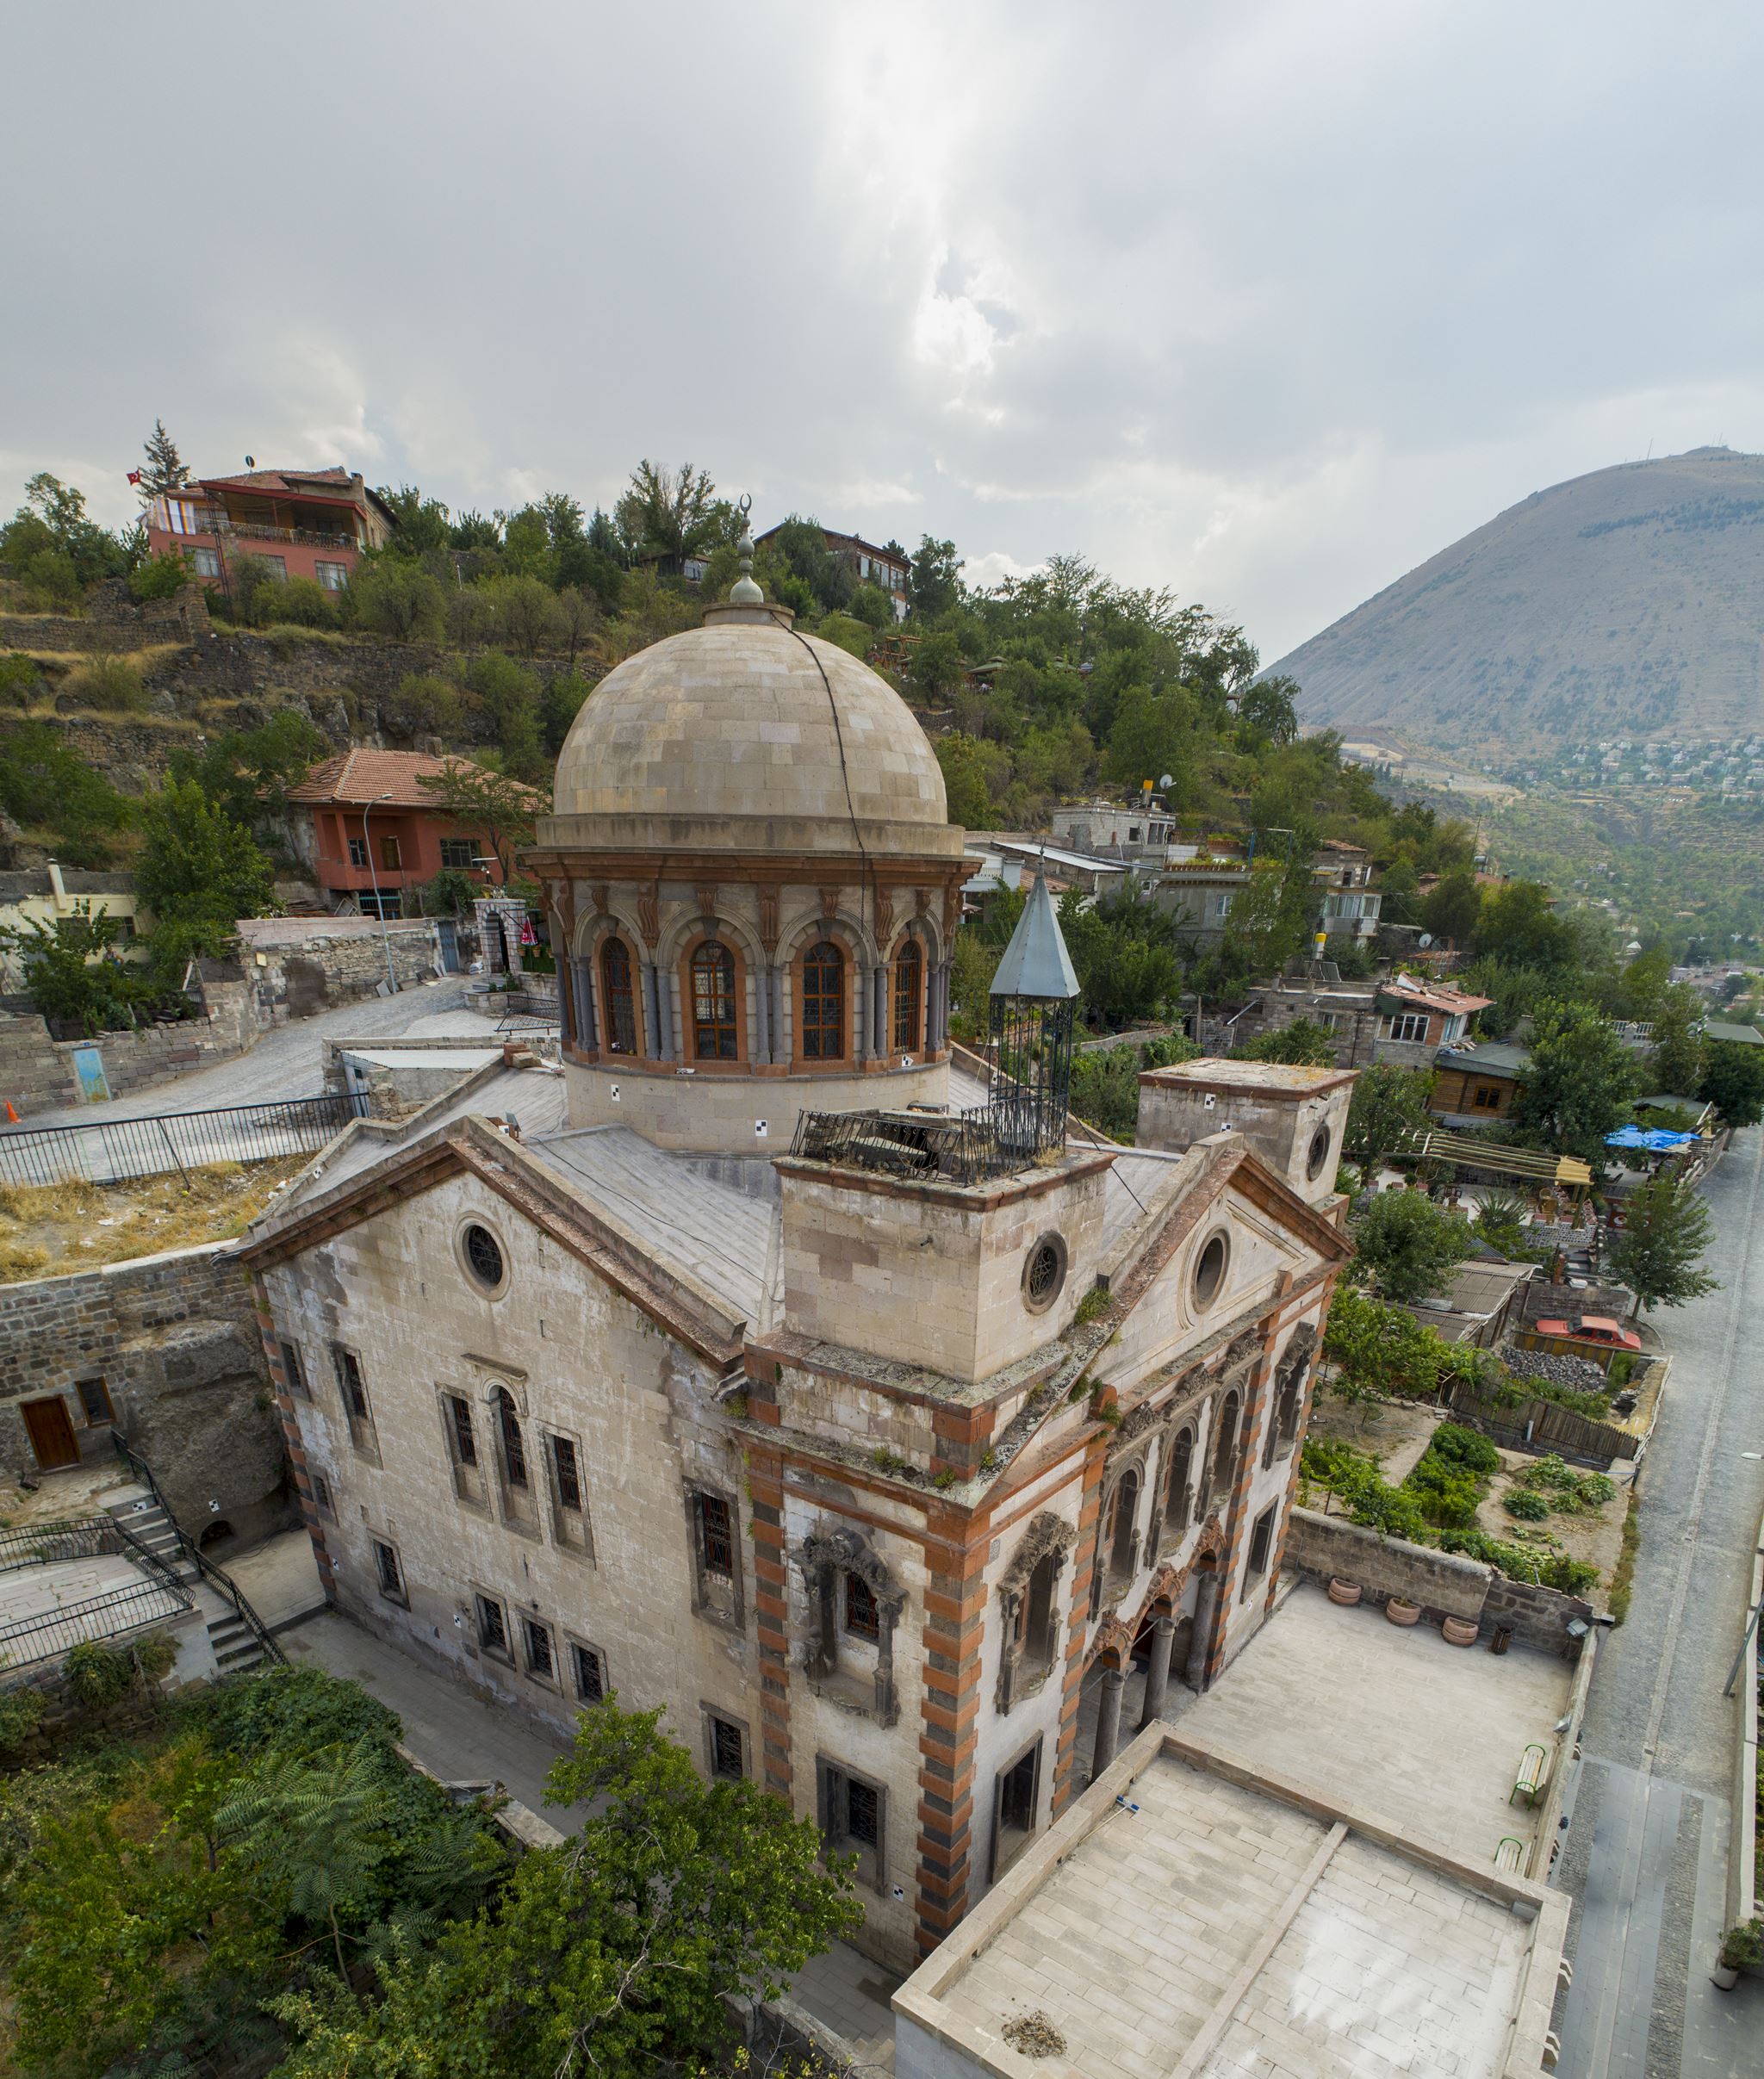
<point x="1032" y="1049"/>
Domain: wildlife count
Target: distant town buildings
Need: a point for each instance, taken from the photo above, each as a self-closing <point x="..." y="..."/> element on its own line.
<point x="891" y="568"/>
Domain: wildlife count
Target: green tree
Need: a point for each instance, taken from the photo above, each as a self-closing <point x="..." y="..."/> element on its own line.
<point x="54" y="519"/>
<point x="1303" y="1044"/>
<point x="161" y="577"/>
<point x="164" y="468"/>
<point x="1378" y="1352"/>
<point x="423" y="523"/>
<point x="252" y="586"/>
<point x="559" y="706"/>
<point x="614" y="1953"/>
<point x="874" y="607"/>
<point x="1388" y="1103"/>
<point x="1516" y="923"/>
<point x="199" y="873"/>
<point x="526" y="613"/>
<point x="479" y="800"/>
<point x="509" y="694"/>
<point x="1406" y="1246"/>
<point x="1733" y="1074"/>
<point x="1578" y="1087"/>
<point x="45" y="784"/>
<point x="668" y="514"/>
<point x="67" y="973"/>
<point x="247" y="772"/>
<point x="963" y="761"/>
<point x="1666" y="1234"/>
<point x="1452" y="910"/>
<point x="390" y="596"/>
<point x="1269" y="708"/>
<point x="934" y="582"/>
<point x="1153" y="734"/>
<point x="1677" y="1062"/>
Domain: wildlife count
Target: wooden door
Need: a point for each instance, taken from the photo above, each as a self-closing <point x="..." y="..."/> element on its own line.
<point x="51" y="1432"/>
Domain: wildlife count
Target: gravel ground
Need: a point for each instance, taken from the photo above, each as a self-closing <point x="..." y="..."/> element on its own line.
<point x="1579" y="1373"/>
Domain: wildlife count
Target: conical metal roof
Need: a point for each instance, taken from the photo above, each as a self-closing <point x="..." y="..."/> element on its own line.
<point x="1036" y="963"/>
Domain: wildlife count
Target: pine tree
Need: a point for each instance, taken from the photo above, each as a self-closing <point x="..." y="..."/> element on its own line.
<point x="166" y="468"/>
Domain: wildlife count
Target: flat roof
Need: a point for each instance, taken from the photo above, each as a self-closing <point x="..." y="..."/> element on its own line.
<point x="1740" y="1035"/>
<point x="1193" y="1916"/>
<point x="1220" y="1073"/>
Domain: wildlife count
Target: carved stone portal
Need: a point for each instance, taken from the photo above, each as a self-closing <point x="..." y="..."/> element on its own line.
<point x="825" y="1557"/>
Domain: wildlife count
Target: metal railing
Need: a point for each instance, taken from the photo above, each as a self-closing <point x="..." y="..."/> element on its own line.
<point x="948" y="1147"/>
<point x="47" y="1544"/>
<point x="110" y="1151"/>
<point x="31" y="1639"/>
<point x="221" y="1582"/>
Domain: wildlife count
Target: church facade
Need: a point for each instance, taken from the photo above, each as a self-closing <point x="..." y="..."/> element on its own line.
<point x="748" y="1366"/>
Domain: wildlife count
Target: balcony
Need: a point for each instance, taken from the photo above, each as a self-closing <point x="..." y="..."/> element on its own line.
<point x="262" y="531"/>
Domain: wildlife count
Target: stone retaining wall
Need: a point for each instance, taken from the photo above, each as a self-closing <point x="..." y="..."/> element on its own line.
<point x="174" y="1337"/>
<point x="1444" y="1584"/>
<point x="37" y="1074"/>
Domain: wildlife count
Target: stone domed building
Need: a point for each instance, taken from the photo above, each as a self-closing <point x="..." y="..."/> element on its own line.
<point x="772" y="1362"/>
<point x="750" y="865"/>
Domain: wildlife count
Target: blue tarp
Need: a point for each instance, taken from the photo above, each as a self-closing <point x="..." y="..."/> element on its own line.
<point x="1656" y="1139"/>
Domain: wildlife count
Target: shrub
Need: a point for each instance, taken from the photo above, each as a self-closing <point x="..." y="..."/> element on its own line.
<point x="1572" y="1492"/>
<point x="1445" y="1493"/>
<point x="295" y="602"/>
<point x="112" y="684"/>
<point x="1467" y="1448"/>
<point x="1523" y="1502"/>
<point x="51" y="582"/>
<point x="20" y="677"/>
<point x="98" y="1675"/>
<point x="1548" y="1569"/>
<point x="160" y="577"/>
<point x="21" y="1713"/>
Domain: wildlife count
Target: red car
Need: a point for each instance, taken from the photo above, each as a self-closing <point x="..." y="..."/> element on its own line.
<point x="1592" y="1328"/>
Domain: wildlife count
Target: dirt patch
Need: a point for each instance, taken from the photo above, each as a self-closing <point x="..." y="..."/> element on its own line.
<point x="1594" y="1535"/>
<point x="1395" y="1432"/>
<point x="47" y="1231"/>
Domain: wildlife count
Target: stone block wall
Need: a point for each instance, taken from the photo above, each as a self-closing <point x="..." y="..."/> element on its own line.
<point x="299" y="965"/>
<point x="37" y="1073"/>
<point x="1444" y="1584"/>
<point x="174" y="1339"/>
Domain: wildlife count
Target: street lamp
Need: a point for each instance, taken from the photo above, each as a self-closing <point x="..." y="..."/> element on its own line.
<point x="379" y="907"/>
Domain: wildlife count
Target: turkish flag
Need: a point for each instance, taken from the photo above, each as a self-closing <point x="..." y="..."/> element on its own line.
<point x="135" y="476"/>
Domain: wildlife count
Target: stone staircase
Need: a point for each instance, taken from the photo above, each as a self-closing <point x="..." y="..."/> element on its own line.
<point x="235" y="1647"/>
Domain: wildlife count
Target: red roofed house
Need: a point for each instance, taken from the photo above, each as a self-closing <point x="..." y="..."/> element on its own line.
<point x="369" y="832"/>
<point x="303" y="523"/>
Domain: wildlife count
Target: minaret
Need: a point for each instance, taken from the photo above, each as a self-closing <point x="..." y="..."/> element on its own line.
<point x="1034" y="1010"/>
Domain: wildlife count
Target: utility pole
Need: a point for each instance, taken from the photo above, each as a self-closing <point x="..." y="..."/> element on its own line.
<point x="379" y="906"/>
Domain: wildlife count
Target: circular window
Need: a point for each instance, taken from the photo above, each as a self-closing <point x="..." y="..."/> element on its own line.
<point x="1319" y="1154"/>
<point x="483" y="1257"/>
<point x="1209" y="1269"/>
<point x="1044" y="1272"/>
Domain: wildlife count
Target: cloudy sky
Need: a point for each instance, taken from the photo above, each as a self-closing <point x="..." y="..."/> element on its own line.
<point x="1264" y="299"/>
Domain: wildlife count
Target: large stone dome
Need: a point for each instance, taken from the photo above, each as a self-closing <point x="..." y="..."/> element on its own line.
<point x="744" y="735"/>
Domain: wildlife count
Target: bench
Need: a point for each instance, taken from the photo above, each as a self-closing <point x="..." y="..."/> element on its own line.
<point x="1510" y="1855"/>
<point x="1534" y="1767"/>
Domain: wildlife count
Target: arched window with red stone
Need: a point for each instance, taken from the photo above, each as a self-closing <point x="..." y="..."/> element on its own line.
<point x="909" y="998"/>
<point x="823" y="1002"/>
<point x="715" y="1030"/>
<point x="619" y="1001"/>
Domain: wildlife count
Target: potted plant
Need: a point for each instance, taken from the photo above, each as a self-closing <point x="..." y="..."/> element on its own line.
<point x="1400" y="1610"/>
<point x="1741" y="1949"/>
<point x="1345" y="1592"/>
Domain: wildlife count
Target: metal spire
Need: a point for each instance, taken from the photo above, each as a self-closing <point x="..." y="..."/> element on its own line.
<point x="744" y="592"/>
<point x="1036" y="963"/>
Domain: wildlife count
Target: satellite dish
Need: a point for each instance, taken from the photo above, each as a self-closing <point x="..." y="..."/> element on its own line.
<point x="251" y="461"/>
<point x="1425" y="939"/>
<point x="1168" y="780"/>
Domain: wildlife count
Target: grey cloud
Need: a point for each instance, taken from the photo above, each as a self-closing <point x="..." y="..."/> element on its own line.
<point x="1267" y="301"/>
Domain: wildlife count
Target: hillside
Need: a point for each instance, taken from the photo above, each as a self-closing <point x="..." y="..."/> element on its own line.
<point x="1627" y="602"/>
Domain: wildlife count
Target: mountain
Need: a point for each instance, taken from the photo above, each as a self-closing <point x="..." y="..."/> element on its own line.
<point x="1628" y="602"/>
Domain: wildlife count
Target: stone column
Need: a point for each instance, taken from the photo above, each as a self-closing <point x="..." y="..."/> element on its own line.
<point x="1205" y="1608"/>
<point x="774" y="1000"/>
<point x="1158" y="1671"/>
<point x="1108" y="1720"/>
<point x="863" y="1016"/>
<point x="879" y="1017"/>
<point x="761" y="1048"/>
<point x="653" y="1046"/>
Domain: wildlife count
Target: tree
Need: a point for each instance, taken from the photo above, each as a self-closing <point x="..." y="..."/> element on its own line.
<point x="614" y="1953"/>
<point x="1406" y="1246"/>
<point x="1451" y="909"/>
<point x="1388" y="1103"/>
<point x="559" y="706"/>
<point x="510" y="696"/>
<point x="1378" y="1352"/>
<point x="390" y="596"/>
<point x="199" y="873"/>
<point x="934" y="582"/>
<point x="247" y="772"/>
<point x="165" y="469"/>
<point x="667" y="513"/>
<point x="527" y="611"/>
<point x="1733" y="1078"/>
<point x="1677" y="1062"/>
<point x="478" y="800"/>
<point x="578" y="615"/>
<point x="53" y="522"/>
<point x="68" y="974"/>
<point x="424" y="523"/>
<point x="46" y="785"/>
<point x="1666" y="1233"/>
<point x="161" y="577"/>
<point x="963" y="764"/>
<point x="1579" y="1084"/>
<point x="1269" y="708"/>
<point x="1515" y="922"/>
<point x="1303" y="1044"/>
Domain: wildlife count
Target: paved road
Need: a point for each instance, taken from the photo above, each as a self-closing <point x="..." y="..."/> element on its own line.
<point x="1646" y="1855"/>
<point x="285" y="1062"/>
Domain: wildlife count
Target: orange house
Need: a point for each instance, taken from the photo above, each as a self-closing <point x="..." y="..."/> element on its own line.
<point x="303" y="523"/>
<point x="370" y="832"/>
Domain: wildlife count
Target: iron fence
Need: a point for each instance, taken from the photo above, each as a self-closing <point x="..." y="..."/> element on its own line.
<point x="46" y="1544"/>
<point x="948" y="1147"/>
<point x="111" y="1151"/>
<point x="27" y="1640"/>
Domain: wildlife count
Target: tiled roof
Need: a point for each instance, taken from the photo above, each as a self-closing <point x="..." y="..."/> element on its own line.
<point x="1434" y="995"/>
<point x="363" y="776"/>
<point x="280" y="479"/>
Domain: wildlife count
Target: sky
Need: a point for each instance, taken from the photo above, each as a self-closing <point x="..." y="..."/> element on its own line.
<point x="1263" y="301"/>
